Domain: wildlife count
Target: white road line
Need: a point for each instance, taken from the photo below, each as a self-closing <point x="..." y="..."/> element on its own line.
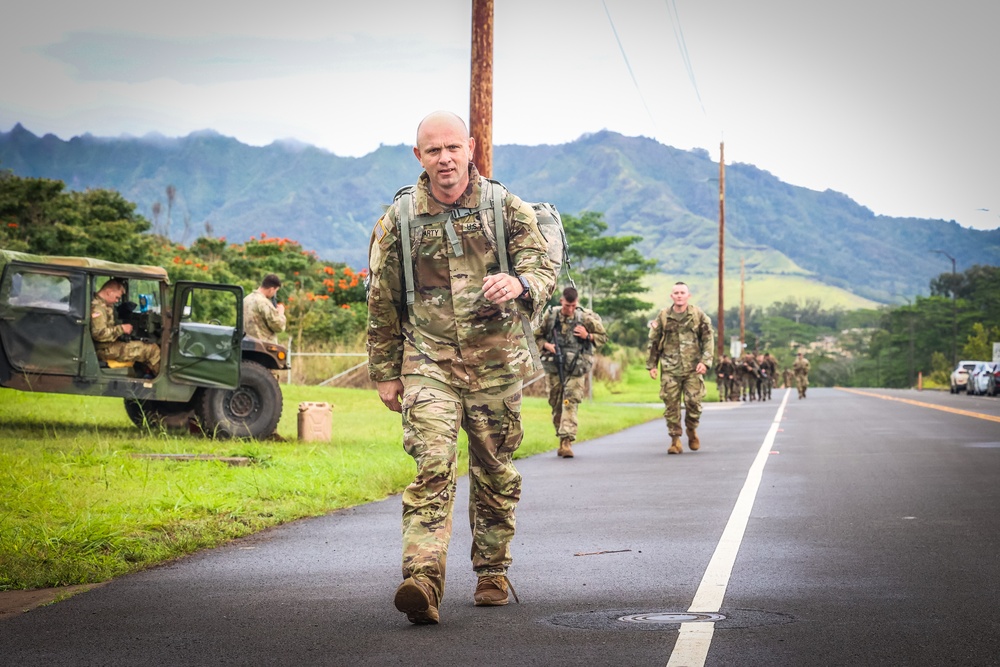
<point x="694" y="639"/>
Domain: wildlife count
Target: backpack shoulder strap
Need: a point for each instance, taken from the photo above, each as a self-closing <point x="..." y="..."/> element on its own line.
<point x="404" y="199"/>
<point x="496" y="193"/>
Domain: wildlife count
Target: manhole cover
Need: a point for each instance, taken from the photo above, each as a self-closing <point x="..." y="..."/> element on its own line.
<point x="672" y="617"/>
<point x="659" y="621"/>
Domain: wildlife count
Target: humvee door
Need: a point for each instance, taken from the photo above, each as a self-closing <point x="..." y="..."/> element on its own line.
<point x="206" y="335"/>
<point x="42" y="323"/>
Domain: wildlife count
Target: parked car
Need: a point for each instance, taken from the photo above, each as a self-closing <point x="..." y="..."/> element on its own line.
<point x="210" y="372"/>
<point x="960" y="376"/>
<point x="983" y="379"/>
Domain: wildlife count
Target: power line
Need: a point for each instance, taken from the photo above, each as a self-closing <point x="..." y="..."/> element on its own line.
<point x="682" y="45"/>
<point x="627" y="65"/>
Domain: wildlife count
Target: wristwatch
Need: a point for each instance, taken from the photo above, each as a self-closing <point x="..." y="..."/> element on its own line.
<point x="526" y="294"/>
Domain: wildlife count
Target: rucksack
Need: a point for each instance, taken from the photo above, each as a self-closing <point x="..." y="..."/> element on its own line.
<point x="549" y="224"/>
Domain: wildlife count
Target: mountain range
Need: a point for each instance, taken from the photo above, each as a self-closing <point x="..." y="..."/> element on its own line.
<point x="221" y="187"/>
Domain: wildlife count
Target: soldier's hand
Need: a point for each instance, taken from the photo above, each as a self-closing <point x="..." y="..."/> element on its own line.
<point x="549" y="347"/>
<point x="701" y="368"/>
<point x="127" y="328"/>
<point x="281" y="308"/>
<point x="500" y="287"/>
<point x="580" y="331"/>
<point x="390" y="392"/>
<point x="652" y="373"/>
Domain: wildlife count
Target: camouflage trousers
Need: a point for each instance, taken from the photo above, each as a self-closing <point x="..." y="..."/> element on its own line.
<point x="432" y="415"/>
<point x="132" y="351"/>
<point x="564" y="411"/>
<point x="801" y="382"/>
<point x="674" y="389"/>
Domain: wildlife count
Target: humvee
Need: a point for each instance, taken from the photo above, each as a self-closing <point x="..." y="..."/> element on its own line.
<point x="211" y="375"/>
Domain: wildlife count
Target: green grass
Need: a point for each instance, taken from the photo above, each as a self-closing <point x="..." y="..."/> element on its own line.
<point x="76" y="507"/>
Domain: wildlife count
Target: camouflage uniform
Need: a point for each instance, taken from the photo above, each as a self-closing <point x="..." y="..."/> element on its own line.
<point x="578" y="359"/>
<point x="789" y="378"/>
<point x="749" y="371"/>
<point x="261" y="319"/>
<point x="769" y="369"/>
<point x="462" y="360"/>
<point x="105" y="333"/>
<point x="801" y="370"/>
<point x="724" y="374"/>
<point x="678" y="342"/>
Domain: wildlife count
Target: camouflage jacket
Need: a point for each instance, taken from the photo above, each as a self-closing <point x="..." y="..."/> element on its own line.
<point x="261" y="320"/>
<point x="678" y="341"/>
<point x="456" y="335"/>
<point x="578" y="355"/>
<point x="102" y="323"/>
<point x="801" y="367"/>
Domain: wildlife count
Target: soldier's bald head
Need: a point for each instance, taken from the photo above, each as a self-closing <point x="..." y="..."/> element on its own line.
<point x="443" y="119"/>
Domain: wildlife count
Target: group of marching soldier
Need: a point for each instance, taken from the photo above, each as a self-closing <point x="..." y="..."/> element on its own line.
<point x="751" y="377"/>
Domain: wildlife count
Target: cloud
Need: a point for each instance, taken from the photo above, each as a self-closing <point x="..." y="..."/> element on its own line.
<point x="134" y="58"/>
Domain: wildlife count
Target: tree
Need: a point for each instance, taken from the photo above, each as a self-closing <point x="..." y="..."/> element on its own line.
<point x="979" y="345"/>
<point x="609" y="269"/>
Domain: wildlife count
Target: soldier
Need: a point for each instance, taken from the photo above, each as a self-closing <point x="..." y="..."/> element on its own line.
<point x="569" y="334"/>
<point x="724" y="374"/>
<point x="789" y="378"/>
<point x="263" y="317"/>
<point x="749" y="370"/>
<point x="769" y="370"/>
<point x="681" y="342"/>
<point x="111" y="340"/>
<point x="801" y="370"/>
<point x="455" y="356"/>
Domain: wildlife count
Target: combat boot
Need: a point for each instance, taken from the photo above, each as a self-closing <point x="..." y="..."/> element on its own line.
<point x="693" y="442"/>
<point x="418" y="601"/>
<point x="675" y="445"/>
<point x="491" y="591"/>
<point x="565" y="448"/>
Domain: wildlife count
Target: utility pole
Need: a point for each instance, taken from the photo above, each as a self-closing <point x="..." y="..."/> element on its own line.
<point x="722" y="249"/>
<point x="954" y="310"/>
<point x="481" y="85"/>
<point x="742" y="318"/>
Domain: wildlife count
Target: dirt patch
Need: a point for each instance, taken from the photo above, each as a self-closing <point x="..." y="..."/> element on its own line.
<point x="13" y="603"/>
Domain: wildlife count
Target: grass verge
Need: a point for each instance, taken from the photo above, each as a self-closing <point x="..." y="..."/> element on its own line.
<point x="76" y="507"/>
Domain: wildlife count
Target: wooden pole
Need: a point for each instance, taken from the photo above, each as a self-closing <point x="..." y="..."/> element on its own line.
<point x="481" y="88"/>
<point x="722" y="250"/>
<point x="742" y="319"/>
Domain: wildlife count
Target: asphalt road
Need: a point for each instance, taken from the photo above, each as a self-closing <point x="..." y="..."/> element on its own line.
<point x="857" y="529"/>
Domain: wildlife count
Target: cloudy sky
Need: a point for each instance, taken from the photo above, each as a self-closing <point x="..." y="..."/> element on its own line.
<point x="893" y="103"/>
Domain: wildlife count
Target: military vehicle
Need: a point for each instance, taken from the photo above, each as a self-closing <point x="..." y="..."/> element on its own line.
<point x="211" y="375"/>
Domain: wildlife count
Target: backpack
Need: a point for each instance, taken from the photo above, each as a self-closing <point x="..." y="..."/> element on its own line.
<point x="549" y="224"/>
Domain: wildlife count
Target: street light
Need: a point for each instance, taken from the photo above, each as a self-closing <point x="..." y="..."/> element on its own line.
<point x="954" y="310"/>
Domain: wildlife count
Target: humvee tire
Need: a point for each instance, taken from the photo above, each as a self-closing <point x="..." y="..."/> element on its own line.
<point x="155" y="414"/>
<point x="252" y="410"/>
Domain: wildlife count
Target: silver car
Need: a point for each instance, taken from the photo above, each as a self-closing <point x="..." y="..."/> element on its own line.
<point x="983" y="379"/>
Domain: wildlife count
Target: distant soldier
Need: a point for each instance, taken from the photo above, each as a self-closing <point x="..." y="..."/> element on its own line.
<point x="789" y="378"/>
<point x="681" y="342"/>
<point x="112" y="340"/>
<point x="568" y="336"/>
<point x="263" y="317"/>
<point x="749" y="370"/>
<point x="725" y="374"/>
<point x="769" y="371"/>
<point x="801" y="370"/>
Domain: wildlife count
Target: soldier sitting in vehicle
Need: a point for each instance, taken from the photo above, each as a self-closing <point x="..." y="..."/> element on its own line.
<point x="111" y="340"/>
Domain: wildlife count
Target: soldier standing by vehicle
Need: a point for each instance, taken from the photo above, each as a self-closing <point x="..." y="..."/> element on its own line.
<point x="681" y="342"/>
<point x="263" y="317"/>
<point x="447" y="350"/>
<point x="725" y="373"/>
<point x="801" y="370"/>
<point x="112" y="341"/>
<point x="568" y="336"/>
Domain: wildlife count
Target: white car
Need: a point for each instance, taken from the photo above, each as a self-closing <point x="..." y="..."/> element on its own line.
<point x="960" y="376"/>
<point x="982" y="379"/>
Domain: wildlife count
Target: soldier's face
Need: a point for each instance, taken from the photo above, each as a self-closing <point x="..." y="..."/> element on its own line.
<point x="568" y="307"/>
<point x="444" y="152"/>
<point x="680" y="296"/>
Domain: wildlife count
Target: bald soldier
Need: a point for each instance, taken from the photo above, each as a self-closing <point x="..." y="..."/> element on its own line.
<point x="447" y="349"/>
<point x="681" y="343"/>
